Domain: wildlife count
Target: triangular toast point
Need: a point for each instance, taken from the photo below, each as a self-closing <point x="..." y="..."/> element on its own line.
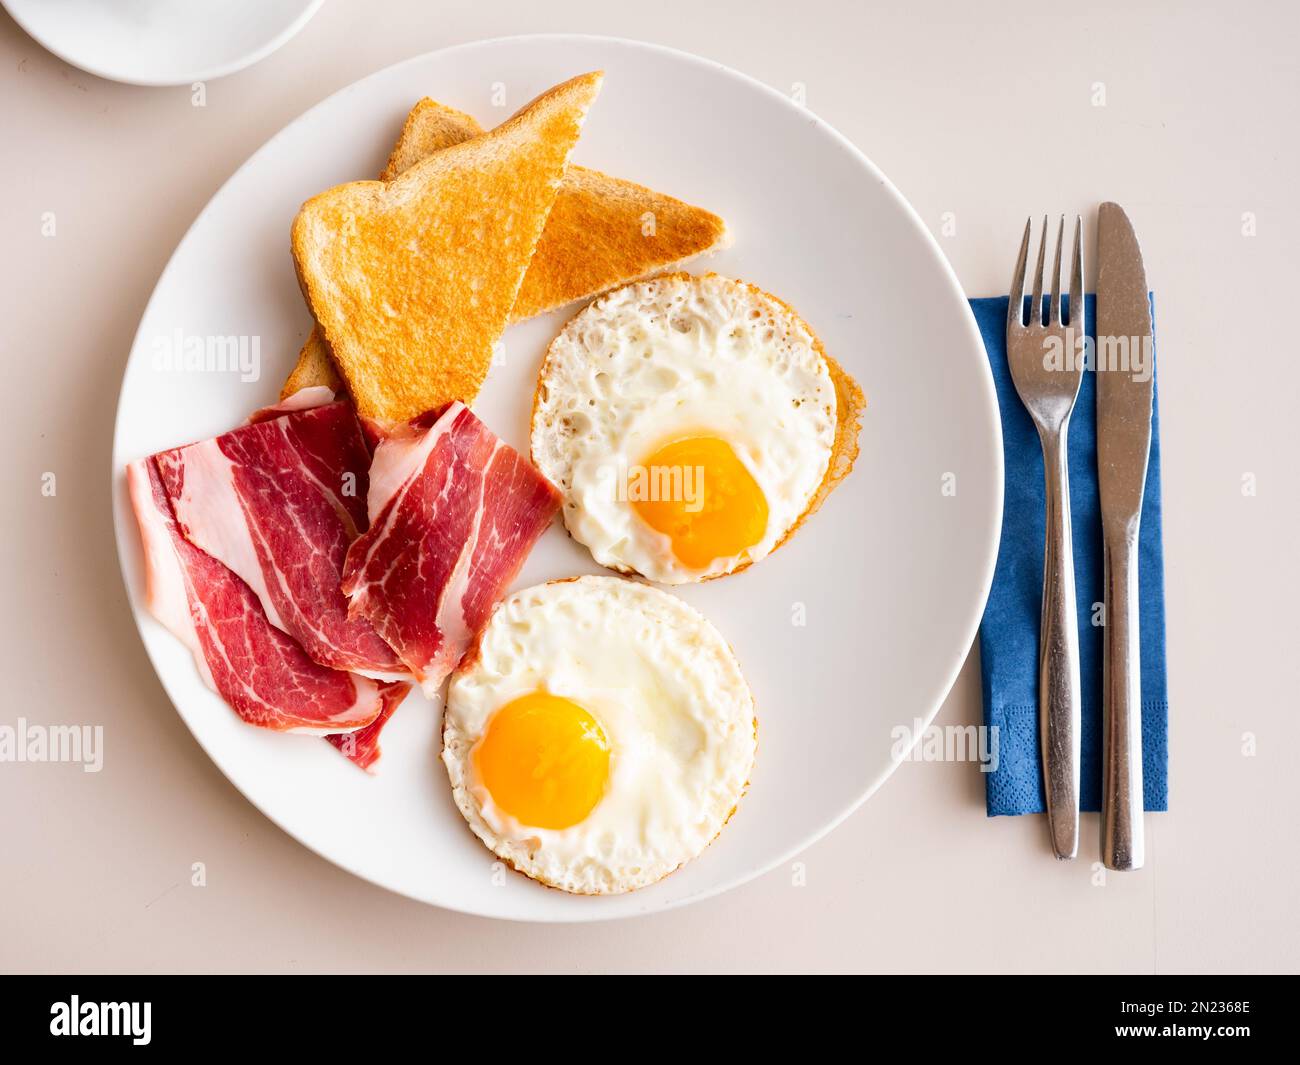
<point x="412" y="281"/>
<point x="595" y="239"/>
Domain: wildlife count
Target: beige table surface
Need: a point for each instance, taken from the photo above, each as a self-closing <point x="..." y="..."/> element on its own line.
<point x="1197" y="138"/>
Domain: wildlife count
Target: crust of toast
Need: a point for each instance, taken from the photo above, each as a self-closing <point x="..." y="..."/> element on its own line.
<point x="602" y="232"/>
<point x="849" y="405"/>
<point x="412" y="281"/>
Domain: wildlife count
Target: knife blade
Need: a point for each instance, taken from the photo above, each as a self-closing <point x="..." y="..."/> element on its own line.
<point x="1125" y="376"/>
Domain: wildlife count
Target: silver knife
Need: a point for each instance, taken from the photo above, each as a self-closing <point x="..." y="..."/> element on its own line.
<point x="1125" y="361"/>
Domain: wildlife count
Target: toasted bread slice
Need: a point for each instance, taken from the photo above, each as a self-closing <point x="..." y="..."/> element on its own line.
<point x="315" y="366"/>
<point x="605" y="232"/>
<point x="602" y="232"/>
<point x="429" y="128"/>
<point x="412" y="281"/>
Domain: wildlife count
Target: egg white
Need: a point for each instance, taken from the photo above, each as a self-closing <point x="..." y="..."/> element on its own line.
<point x="670" y="698"/>
<point x="672" y="357"/>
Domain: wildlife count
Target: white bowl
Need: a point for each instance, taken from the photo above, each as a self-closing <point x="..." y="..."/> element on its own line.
<point x="161" y="42"/>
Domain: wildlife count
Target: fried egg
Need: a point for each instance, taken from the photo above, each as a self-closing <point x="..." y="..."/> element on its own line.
<point x="689" y="423"/>
<point x="599" y="736"/>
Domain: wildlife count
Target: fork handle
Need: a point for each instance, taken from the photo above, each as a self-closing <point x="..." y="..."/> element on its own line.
<point x="1058" y="657"/>
<point x="1122" y="836"/>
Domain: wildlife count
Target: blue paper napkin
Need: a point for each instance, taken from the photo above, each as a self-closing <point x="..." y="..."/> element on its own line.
<point x="1009" y="630"/>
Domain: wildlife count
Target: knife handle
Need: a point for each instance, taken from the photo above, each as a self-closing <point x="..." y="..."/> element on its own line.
<point x="1122" y="836"/>
<point x="1058" y="657"/>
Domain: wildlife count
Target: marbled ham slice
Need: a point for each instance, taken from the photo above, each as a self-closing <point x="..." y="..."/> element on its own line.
<point x="453" y="515"/>
<point x="260" y="672"/>
<point x="279" y="501"/>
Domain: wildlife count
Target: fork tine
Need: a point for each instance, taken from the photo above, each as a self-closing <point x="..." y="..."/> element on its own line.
<point x="1036" y="305"/>
<point x="1016" y="304"/>
<point x="1076" y="279"/>
<point x="1054" y="301"/>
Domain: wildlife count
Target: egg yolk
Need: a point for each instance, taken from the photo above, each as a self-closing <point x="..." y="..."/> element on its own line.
<point x="544" y="760"/>
<point x="699" y="494"/>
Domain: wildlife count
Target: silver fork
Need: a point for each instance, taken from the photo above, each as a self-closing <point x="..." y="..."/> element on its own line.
<point x="1047" y="371"/>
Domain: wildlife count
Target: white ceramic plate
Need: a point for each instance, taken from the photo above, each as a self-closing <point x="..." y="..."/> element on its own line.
<point x="161" y="42"/>
<point x="857" y="625"/>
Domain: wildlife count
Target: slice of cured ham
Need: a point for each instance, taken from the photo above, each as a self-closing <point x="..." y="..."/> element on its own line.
<point x="261" y="672"/>
<point x="279" y="501"/>
<point x="453" y="514"/>
<point x="362" y="747"/>
<point x="303" y="399"/>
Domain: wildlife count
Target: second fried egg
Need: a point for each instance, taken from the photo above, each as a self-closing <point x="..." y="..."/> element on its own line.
<point x="600" y="734"/>
<point x="689" y="423"/>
